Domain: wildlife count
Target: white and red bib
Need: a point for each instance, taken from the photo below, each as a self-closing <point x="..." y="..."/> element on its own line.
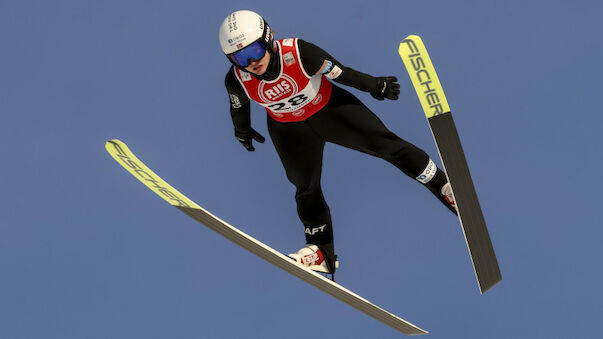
<point x="293" y="95"/>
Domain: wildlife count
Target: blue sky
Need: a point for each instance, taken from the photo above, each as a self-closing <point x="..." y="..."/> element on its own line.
<point x="88" y="252"/>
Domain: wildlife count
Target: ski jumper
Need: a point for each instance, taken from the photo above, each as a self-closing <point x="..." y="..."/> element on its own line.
<point x="305" y="110"/>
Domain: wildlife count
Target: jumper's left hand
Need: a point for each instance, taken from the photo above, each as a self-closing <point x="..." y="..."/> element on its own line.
<point x="386" y="88"/>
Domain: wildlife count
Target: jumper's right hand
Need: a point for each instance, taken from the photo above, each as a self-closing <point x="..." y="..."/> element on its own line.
<point x="247" y="139"/>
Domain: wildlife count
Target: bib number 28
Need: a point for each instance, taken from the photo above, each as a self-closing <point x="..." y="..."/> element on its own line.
<point x="290" y="104"/>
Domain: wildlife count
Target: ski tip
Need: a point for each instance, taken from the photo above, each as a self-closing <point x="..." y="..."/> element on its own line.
<point x="110" y="142"/>
<point x="413" y="37"/>
<point x="124" y="156"/>
<point x="423" y="76"/>
<point x="410" y="40"/>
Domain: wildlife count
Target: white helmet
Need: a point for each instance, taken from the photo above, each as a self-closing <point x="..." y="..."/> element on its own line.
<point x="242" y="29"/>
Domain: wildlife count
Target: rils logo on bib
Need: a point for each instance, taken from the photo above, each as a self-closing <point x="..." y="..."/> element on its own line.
<point x="271" y="92"/>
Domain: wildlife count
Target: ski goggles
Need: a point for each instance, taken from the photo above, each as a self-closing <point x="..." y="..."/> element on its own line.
<point x="243" y="58"/>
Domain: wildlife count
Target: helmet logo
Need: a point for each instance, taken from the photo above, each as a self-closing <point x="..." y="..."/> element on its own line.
<point x="237" y="40"/>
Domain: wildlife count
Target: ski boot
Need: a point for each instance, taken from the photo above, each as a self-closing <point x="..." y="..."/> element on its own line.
<point x="449" y="196"/>
<point x="312" y="257"/>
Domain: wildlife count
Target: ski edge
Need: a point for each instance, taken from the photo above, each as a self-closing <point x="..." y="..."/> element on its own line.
<point x="124" y="156"/>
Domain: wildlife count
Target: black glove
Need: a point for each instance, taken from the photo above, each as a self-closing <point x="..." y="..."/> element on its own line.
<point x="247" y="139"/>
<point x="387" y="87"/>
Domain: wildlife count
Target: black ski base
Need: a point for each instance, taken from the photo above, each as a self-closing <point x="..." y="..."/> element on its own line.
<point x="469" y="210"/>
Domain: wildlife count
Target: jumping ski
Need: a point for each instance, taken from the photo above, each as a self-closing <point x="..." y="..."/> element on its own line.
<point x="434" y="103"/>
<point x="122" y="154"/>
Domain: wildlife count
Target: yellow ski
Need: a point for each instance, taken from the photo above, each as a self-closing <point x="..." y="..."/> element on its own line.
<point x="122" y="154"/>
<point x="431" y="94"/>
